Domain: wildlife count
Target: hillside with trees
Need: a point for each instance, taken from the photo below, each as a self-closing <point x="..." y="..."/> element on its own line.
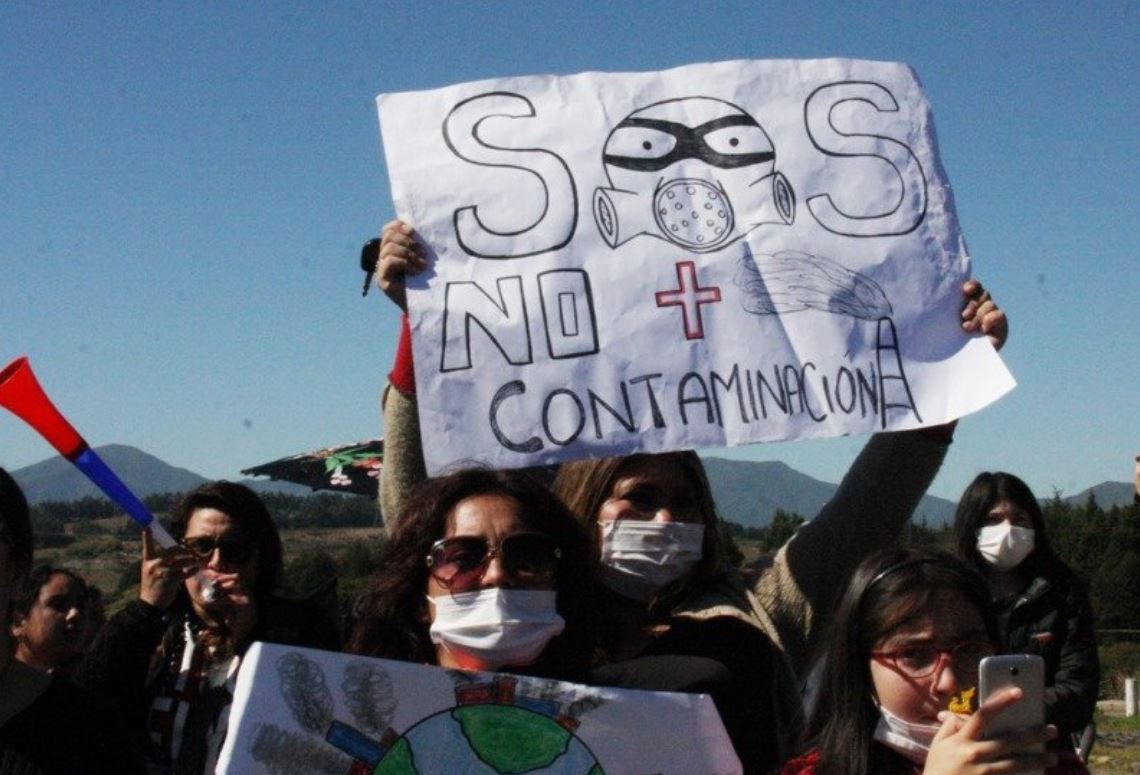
<point x="333" y="545"/>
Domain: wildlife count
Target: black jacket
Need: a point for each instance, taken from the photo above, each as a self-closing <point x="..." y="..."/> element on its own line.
<point x="135" y="655"/>
<point x="65" y="732"/>
<point x="725" y="658"/>
<point x="1053" y="619"/>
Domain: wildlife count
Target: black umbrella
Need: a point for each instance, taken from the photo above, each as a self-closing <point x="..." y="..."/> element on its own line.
<point x="351" y="468"/>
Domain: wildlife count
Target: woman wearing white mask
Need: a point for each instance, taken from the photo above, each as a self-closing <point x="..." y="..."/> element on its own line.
<point x="483" y="570"/>
<point x="1043" y="608"/>
<point x="676" y="615"/>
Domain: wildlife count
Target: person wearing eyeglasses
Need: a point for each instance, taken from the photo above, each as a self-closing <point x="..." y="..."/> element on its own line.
<point x="484" y="570"/>
<point x="909" y="634"/>
<point x="170" y="658"/>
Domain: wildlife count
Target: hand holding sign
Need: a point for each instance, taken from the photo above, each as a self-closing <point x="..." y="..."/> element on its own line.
<point x="400" y="255"/>
<point x="770" y="252"/>
<point x="982" y="315"/>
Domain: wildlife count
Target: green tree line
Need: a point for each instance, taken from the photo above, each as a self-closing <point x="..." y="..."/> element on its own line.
<point x="1101" y="545"/>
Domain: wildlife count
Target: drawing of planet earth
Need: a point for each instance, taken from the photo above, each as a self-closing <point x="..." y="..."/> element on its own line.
<point x="488" y="740"/>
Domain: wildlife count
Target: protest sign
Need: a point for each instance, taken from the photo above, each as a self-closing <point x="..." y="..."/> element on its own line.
<point x="712" y="255"/>
<point x="304" y="711"/>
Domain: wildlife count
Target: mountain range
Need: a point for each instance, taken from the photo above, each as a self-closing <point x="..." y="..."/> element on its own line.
<point x="746" y="492"/>
<point x="55" y="479"/>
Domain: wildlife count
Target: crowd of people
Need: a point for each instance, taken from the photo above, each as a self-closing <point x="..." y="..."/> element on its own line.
<point x="613" y="573"/>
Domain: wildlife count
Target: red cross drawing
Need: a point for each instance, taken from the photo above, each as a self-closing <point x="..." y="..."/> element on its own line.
<point x="689" y="296"/>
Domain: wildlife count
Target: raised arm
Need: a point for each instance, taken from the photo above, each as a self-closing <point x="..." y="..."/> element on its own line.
<point x="403" y="469"/>
<point x="868" y="512"/>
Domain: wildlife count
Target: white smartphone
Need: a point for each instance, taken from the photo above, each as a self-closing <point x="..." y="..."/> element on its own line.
<point x="1026" y="672"/>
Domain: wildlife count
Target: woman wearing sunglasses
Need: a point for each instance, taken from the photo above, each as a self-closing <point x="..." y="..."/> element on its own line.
<point x="483" y="570"/>
<point x="909" y="634"/>
<point x="170" y="658"/>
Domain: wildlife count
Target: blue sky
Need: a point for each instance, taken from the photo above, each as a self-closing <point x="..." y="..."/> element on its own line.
<point x="184" y="190"/>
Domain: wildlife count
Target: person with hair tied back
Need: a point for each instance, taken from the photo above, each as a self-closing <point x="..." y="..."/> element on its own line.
<point x="49" y="620"/>
<point x="47" y="725"/>
<point x="675" y="615"/>
<point x="1043" y="607"/>
<point x="169" y="660"/>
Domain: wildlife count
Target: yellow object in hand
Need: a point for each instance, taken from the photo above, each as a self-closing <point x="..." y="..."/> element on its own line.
<point x="963" y="701"/>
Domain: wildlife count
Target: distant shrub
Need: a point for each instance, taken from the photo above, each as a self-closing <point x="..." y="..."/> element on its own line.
<point x="360" y="560"/>
<point x="53" y="540"/>
<point x="310" y="572"/>
<point x="1117" y="662"/>
<point x="90" y="548"/>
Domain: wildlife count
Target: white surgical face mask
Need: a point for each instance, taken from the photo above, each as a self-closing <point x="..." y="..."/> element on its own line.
<point x="639" y="558"/>
<point x="487" y="629"/>
<point x="1005" y="545"/>
<point x="907" y="738"/>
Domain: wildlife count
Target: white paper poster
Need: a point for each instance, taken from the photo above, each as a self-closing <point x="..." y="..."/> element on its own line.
<point x="712" y="255"/>
<point x="303" y="711"/>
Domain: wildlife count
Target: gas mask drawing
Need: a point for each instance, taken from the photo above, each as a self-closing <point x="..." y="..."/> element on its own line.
<point x="697" y="171"/>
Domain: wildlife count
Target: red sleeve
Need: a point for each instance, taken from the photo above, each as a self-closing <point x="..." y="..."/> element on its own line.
<point x="802" y="765"/>
<point x="403" y="375"/>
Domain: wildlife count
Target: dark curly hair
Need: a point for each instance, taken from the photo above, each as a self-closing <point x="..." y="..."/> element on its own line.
<point x="394" y="617"/>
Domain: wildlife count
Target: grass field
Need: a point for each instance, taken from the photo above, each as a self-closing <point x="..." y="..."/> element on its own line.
<point x="1117" y="748"/>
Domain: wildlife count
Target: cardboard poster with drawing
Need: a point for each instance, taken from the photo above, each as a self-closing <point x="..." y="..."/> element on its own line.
<point x="713" y="255"/>
<point x="301" y="711"/>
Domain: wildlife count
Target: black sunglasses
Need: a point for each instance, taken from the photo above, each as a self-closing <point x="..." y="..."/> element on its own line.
<point x="232" y="549"/>
<point x="458" y="563"/>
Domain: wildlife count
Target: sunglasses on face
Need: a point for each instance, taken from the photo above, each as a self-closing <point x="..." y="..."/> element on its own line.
<point x="458" y="563"/>
<point x="921" y="660"/>
<point x="232" y="550"/>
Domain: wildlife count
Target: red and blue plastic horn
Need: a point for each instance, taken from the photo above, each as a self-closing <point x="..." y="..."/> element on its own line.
<point x="21" y="394"/>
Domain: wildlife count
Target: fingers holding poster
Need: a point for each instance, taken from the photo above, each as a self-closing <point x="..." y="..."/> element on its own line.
<point x="713" y="255"/>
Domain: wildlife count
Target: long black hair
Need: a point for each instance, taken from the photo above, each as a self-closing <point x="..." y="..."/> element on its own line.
<point x="980" y="497"/>
<point x="887" y="591"/>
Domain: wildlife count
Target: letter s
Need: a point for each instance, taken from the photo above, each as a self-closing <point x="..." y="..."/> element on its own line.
<point x="909" y="208"/>
<point x="464" y="135"/>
